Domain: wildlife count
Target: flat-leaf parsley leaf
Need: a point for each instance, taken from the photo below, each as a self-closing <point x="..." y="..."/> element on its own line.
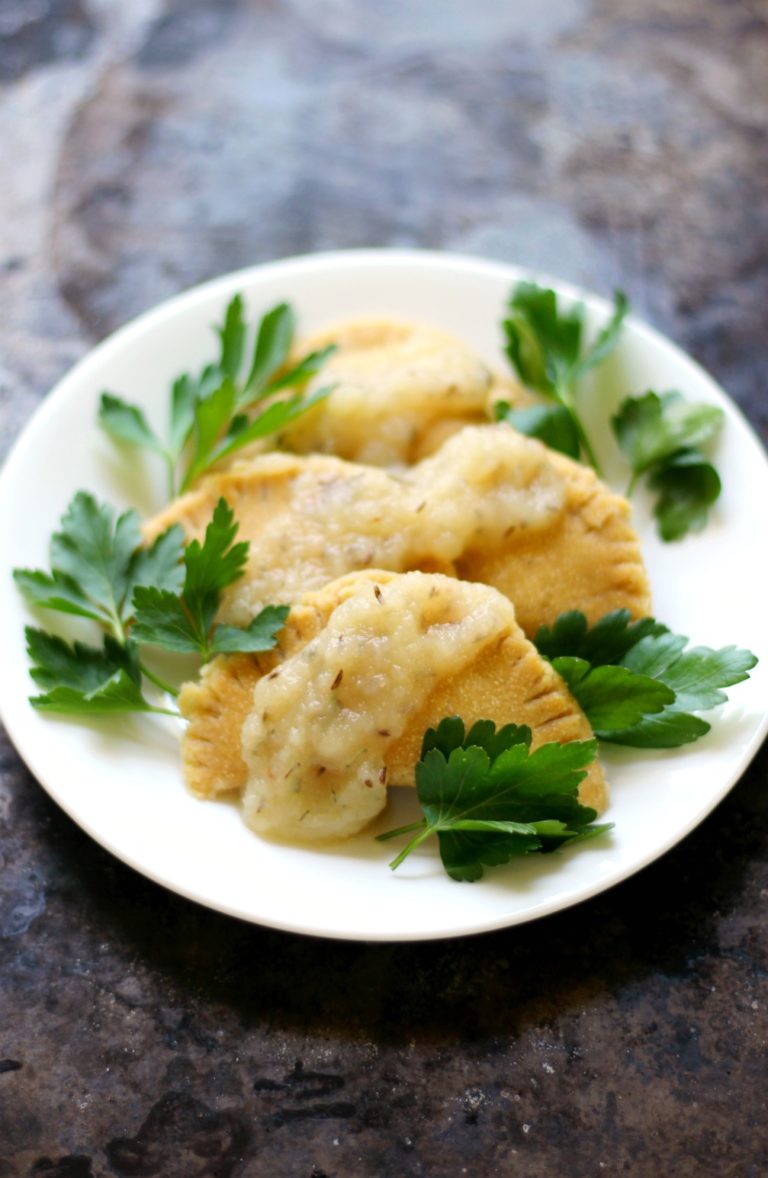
<point x="544" y="344"/>
<point x="165" y="595"/>
<point x="85" y="680"/>
<point x="186" y="621"/>
<point x="214" y="415"/>
<point x="662" y="437"/>
<point x="489" y="799"/>
<point x="96" y="562"/>
<point x="636" y="681"/>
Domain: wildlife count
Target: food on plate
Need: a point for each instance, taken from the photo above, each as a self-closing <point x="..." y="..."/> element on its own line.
<point x="399" y="390"/>
<point x="664" y="437"/>
<point x="337" y="712"/>
<point x="233" y="405"/>
<point x="589" y="557"/>
<point x="307" y="520"/>
<point x="394" y="589"/>
<point x="545" y="345"/>
<point x="491" y="505"/>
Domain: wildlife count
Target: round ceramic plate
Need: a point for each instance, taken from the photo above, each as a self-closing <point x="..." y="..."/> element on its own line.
<point x="121" y="780"/>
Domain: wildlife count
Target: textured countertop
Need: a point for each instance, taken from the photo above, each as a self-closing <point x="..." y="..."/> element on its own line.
<point x="150" y="145"/>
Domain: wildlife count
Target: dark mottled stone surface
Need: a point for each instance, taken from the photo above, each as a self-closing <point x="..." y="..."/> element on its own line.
<point x="37" y="32"/>
<point x="151" y="145"/>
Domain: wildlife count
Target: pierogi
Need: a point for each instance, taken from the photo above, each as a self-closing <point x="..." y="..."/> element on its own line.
<point x="491" y="505"/>
<point x="420" y="547"/>
<point x="400" y="389"/>
<point x="314" y="732"/>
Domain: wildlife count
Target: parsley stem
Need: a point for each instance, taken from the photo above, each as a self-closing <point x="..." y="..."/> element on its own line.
<point x="587" y="446"/>
<point x="171" y="476"/>
<point x="391" y="834"/>
<point x="166" y="712"/>
<point x="158" y="682"/>
<point x="565" y="397"/>
<point x="411" y="846"/>
<point x="118" y="629"/>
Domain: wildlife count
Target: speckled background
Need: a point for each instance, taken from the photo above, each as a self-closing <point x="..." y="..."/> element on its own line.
<point x="151" y="144"/>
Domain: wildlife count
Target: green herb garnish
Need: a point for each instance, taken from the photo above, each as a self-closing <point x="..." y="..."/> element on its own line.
<point x="551" y="424"/>
<point x="185" y="621"/>
<point x="166" y="595"/>
<point x="636" y="681"/>
<point x="662" y="437"/>
<point x="545" y="346"/>
<point x="97" y="561"/>
<point x="211" y="417"/>
<point x="489" y="799"/>
<point x="86" y="680"/>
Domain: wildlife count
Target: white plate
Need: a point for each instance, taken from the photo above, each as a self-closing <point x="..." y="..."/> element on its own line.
<point x="121" y="781"/>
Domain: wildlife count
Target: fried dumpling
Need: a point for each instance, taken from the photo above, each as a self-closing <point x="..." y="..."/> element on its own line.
<point x="217" y="703"/>
<point x="490" y="505"/>
<point x="400" y="390"/>
<point x="588" y="558"/>
<point x="309" y="520"/>
<point x="338" y="712"/>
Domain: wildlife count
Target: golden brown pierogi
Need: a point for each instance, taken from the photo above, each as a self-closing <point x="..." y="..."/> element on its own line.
<point x="400" y="389"/>
<point x="314" y="732"/>
<point x="490" y="505"/>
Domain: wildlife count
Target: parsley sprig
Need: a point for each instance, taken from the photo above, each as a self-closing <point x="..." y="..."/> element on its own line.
<point x="662" y="437"/>
<point x="165" y="596"/>
<point x="638" y="683"/>
<point x="489" y="799"/>
<point x="545" y="345"/>
<point x="215" y="414"/>
<point x="185" y="621"/>
<point x="97" y="561"/>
